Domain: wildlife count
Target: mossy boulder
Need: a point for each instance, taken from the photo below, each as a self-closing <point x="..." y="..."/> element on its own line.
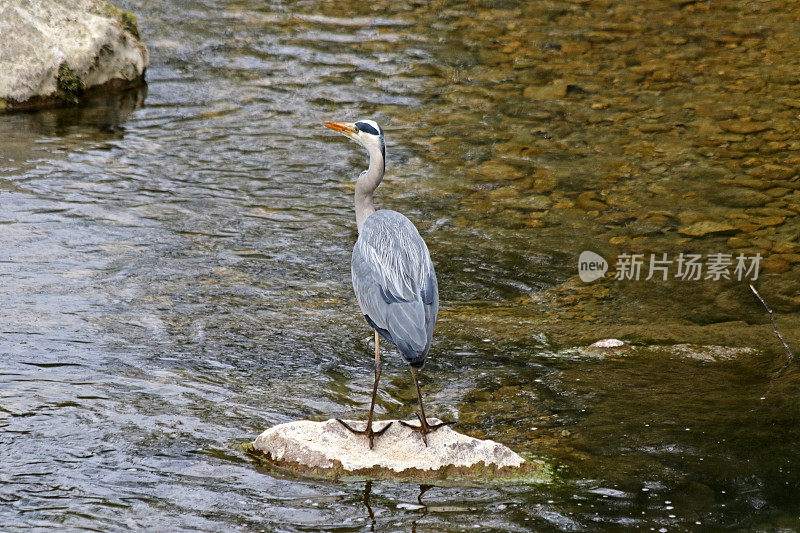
<point x="58" y="51"/>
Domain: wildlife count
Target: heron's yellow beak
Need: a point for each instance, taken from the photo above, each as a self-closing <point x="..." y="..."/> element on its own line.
<point x="348" y="129"/>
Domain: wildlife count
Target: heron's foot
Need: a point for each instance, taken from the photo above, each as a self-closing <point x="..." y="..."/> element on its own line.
<point x="368" y="432"/>
<point x="424" y="427"/>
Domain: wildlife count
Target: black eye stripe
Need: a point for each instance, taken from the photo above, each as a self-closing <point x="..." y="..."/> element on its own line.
<point x="363" y="126"/>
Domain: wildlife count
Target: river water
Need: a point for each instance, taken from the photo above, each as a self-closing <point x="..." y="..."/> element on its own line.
<point x="174" y="265"/>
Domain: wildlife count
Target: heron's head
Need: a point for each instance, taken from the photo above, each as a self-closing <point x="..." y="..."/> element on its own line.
<point x="367" y="133"/>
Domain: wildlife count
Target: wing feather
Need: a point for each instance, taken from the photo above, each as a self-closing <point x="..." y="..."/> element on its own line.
<point x="395" y="282"/>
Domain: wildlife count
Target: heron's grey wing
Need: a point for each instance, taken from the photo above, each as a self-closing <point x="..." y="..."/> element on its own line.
<point x="430" y="298"/>
<point x="395" y="283"/>
<point x="368" y="292"/>
<point x="388" y="295"/>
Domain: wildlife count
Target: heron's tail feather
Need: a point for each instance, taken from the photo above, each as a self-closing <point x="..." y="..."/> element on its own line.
<point x="384" y="333"/>
<point x="406" y="324"/>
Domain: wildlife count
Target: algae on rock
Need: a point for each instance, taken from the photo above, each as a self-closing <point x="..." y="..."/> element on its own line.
<point x="70" y="86"/>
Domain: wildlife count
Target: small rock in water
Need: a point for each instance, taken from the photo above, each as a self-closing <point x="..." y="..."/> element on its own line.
<point x="590" y="201"/>
<point x="774" y="263"/>
<point x="606" y="348"/>
<point x="611" y="344"/>
<point x="743" y="127"/>
<point x="705" y="227"/>
<point x="558" y="89"/>
<point x="327" y="448"/>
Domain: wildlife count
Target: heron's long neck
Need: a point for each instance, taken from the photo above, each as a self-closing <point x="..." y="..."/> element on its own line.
<point x="367" y="183"/>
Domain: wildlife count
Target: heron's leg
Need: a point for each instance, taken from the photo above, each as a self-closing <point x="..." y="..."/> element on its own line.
<point x="368" y="431"/>
<point x="375" y="386"/>
<point x="424" y="427"/>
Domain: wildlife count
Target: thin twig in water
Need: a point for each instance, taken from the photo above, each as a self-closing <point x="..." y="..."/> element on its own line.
<point x="774" y="326"/>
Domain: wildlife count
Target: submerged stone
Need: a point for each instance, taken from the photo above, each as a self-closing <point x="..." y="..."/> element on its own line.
<point x="743" y="127"/>
<point x="554" y="91"/>
<point x="705" y="227"/>
<point x="328" y="449"/>
<point x="590" y="201"/>
<point x="738" y="197"/>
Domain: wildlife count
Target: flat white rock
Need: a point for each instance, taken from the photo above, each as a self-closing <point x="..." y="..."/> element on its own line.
<point x="321" y="445"/>
<point x="609" y="343"/>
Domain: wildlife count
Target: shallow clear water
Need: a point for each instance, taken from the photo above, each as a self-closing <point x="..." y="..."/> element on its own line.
<point x="174" y="265"/>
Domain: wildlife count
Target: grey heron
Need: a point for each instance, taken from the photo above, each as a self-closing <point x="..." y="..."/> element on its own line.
<point x="393" y="275"/>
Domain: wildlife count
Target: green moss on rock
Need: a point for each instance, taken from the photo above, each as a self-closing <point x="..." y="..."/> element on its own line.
<point x="126" y="19"/>
<point x="70" y="86"/>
